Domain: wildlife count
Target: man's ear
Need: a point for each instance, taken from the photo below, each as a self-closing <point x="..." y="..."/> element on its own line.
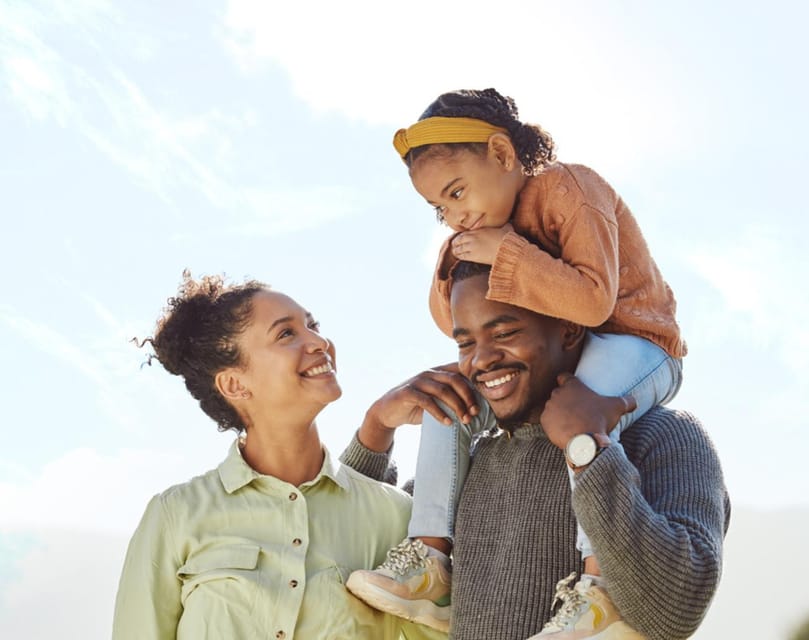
<point x="572" y="335"/>
<point x="229" y="384"/>
<point x="502" y="150"/>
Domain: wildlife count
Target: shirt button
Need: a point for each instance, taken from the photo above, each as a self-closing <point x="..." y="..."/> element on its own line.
<point x="280" y="635"/>
<point x="293" y="496"/>
<point x="293" y="583"/>
<point x="296" y="542"/>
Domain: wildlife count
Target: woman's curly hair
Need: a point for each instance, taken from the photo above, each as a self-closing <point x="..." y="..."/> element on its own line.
<point x="196" y="338"/>
<point x="534" y="145"/>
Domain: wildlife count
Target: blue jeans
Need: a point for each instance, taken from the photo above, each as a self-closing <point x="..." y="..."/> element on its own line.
<point x="611" y="364"/>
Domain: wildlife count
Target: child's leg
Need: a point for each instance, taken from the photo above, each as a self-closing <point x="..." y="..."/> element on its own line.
<point x="441" y="468"/>
<point x="414" y="582"/>
<point x="615" y="364"/>
<point x="618" y="364"/>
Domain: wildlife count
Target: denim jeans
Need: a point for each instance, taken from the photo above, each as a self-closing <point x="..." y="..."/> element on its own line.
<point x="618" y="364"/>
<point x="611" y="364"/>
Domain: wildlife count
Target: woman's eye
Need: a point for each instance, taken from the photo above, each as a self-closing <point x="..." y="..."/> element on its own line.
<point x="285" y="333"/>
<point x="456" y="194"/>
<point x="315" y="326"/>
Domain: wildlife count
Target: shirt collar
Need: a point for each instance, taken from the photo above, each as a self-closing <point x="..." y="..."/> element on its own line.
<point x="235" y="473"/>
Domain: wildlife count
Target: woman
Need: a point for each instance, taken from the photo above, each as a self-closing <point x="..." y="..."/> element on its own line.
<point x="261" y="545"/>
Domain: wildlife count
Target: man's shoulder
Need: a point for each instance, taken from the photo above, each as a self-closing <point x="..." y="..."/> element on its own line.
<point x="662" y="427"/>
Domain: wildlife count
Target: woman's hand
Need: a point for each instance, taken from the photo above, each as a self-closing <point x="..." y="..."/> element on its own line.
<point x="407" y="402"/>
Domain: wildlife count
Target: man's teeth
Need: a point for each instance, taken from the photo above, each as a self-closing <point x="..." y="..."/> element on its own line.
<point x="316" y="371"/>
<point x="497" y="382"/>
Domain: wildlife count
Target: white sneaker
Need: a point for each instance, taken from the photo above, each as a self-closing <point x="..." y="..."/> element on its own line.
<point x="586" y="611"/>
<point x="410" y="584"/>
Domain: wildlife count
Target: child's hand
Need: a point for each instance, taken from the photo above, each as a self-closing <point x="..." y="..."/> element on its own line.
<point x="574" y="408"/>
<point x="479" y="245"/>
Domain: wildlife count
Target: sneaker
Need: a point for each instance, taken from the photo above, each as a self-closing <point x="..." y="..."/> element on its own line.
<point x="410" y="584"/>
<point x="586" y="611"/>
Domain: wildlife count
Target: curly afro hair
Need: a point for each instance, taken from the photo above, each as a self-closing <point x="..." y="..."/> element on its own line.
<point x="195" y="338"/>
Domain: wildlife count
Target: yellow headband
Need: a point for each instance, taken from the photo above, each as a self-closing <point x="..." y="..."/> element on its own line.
<point x="440" y="130"/>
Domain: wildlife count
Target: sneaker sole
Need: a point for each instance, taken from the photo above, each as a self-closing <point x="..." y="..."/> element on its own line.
<point x="420" y="611"/>
<point x="616" y="631"/>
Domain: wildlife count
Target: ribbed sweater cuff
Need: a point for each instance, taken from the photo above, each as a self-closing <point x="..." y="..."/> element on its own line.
<point x="379" y="466"/>
<point x="501" y="279"/>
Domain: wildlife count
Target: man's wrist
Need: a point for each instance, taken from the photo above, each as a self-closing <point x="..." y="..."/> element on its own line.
<point x="375" y="436"/>
<point x="583" y="448"/>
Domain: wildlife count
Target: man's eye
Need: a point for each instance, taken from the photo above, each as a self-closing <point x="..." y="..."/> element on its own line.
<point x="505" y="334"/>
<point x="464" y="345"/>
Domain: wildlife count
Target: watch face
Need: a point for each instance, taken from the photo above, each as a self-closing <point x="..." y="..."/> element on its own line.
<point x="581" y="449"/>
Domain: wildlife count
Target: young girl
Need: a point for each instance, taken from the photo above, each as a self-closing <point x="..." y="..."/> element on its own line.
<point x="561" y="243"/>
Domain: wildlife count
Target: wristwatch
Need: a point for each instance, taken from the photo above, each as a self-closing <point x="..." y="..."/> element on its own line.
<point x="583" y="448"/>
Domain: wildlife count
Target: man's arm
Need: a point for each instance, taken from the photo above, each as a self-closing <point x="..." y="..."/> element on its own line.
<point x="656" y="518"/>
<point x="369" y="449"/>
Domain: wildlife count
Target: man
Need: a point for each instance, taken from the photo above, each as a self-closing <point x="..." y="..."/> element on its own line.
<point x="656" y="509"/>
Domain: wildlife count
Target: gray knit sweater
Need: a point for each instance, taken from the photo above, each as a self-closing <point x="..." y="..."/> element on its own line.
<point x="656" y="516"/>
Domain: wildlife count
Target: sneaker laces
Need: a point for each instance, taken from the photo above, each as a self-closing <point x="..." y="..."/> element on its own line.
<point x="570" y="599"/>
<point x="405" y="556"/>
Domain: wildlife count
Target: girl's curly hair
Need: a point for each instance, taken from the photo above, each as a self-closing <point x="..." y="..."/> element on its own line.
<point x="196" y="338"/>
<point x="534" y="145"/>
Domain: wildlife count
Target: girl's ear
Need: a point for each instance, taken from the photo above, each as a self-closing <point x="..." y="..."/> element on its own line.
<point x="230" y="385"/>
<point x="502" y="150"/>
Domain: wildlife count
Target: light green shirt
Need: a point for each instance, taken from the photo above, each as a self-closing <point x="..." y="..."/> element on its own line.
<point x="234" y="554"/>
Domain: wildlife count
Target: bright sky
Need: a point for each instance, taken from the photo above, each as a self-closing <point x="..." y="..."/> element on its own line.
<point x="139" y="139"/>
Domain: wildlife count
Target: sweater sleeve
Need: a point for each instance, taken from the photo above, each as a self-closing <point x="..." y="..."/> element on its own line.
<point x="440" y="289"/>
<point x="372" y="464"/>
<point x="580" y="284"/>
<point x="657" y="525"/>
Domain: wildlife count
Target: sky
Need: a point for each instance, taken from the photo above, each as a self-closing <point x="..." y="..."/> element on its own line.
<point x="253" y="139"/>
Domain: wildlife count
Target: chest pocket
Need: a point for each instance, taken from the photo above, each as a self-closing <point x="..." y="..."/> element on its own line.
<point x="227" y="575"/>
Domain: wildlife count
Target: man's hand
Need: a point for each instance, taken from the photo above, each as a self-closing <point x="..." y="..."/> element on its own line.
<point x="406" y="404"/>
<point x="574" y="408"/>
<point x="479" y="245"/>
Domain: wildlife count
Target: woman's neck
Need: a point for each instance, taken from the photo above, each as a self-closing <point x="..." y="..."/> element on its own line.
<point x="292" y="453"/>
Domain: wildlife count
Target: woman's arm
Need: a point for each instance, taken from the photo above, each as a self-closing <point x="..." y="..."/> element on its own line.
<point x="148" y="605"/>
